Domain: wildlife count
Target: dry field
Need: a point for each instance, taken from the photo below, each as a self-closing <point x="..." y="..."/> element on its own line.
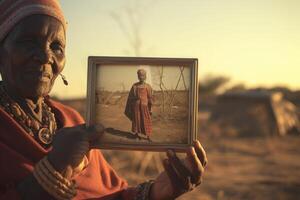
<point x="169" y="121"/>
<point x="257" y="168"/>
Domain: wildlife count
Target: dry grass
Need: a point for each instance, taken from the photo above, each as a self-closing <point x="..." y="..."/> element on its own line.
<point x="256" y="168"/>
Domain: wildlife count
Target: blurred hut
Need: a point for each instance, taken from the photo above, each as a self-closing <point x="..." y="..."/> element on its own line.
<point x="295" y="97"/>
<point x="252" y="113"/>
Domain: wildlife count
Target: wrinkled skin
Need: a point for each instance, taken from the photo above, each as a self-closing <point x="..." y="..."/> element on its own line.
<point x="31" y="57"/>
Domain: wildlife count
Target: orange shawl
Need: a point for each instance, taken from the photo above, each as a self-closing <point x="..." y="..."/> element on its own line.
<point x="19" y="152"/>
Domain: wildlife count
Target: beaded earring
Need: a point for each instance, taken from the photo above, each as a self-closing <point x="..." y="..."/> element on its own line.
<point x="64" y="79"/>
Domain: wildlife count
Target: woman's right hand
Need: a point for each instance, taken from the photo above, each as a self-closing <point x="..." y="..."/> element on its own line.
<point x="70" y="145"/>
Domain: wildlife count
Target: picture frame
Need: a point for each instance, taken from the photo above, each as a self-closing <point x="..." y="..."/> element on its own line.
<point x="173" y="80"/>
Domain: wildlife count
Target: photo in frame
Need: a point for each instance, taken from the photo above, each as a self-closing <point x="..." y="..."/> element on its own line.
<point x="144" y="103"/>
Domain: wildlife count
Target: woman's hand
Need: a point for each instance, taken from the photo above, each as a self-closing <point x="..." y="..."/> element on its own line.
<point x="70" y="145"/>
<point x="179" y="176"/>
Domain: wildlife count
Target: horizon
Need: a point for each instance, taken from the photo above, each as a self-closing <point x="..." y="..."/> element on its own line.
<point x="255" y="42"/>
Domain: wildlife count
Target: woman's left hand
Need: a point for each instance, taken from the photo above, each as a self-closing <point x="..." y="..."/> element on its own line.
<point x="179" y="176"/>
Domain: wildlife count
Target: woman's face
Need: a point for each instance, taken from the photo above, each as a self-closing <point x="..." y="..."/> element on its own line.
<point x="33" y="55"/>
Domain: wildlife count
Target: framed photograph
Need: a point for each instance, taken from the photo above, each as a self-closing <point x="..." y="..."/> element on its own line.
<point x="143" y="103"/>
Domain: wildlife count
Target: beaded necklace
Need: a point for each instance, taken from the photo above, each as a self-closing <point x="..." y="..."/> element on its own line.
<point x="42" y="131"/>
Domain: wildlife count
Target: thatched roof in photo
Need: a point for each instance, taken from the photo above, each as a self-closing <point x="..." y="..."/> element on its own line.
<point x="252" y="113"/>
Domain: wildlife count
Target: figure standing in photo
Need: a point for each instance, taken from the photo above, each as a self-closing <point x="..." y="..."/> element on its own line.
<point x="138" y="106"/>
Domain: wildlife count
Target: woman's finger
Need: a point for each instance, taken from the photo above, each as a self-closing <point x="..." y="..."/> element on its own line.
<point x="95" y="131"/>
<point x="200" y="153"/>
<point x="176" y="162"/>
<point x="174" y="178"/>
<point x="182" y="171"/>
<point x="196" y="166"/>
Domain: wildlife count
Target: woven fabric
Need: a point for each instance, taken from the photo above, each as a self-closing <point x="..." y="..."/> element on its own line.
<point x="19" y="152"/>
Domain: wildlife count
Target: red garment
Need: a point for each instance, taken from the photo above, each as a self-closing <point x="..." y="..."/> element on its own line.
<point x="19" y="152"/>
<point x="138" y="108"/>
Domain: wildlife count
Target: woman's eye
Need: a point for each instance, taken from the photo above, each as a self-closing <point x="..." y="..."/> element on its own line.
<point x="57" y="47"/>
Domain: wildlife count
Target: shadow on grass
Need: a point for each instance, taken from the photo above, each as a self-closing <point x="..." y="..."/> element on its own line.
<point x="120" y="133"/>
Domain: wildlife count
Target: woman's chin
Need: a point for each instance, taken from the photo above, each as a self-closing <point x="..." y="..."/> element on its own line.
<point x="36" y="91"/>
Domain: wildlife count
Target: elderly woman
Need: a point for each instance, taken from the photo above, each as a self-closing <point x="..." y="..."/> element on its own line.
<point x="45" y="150"/>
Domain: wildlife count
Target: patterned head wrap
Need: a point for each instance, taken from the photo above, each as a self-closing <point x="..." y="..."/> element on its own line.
<point x="13" y="11"/>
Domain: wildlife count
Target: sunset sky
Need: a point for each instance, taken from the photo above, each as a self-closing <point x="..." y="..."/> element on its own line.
<point x="126" y="75"/>
<point x="254" y="42"/>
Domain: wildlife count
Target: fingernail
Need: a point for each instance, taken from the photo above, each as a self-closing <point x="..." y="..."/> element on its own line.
<point x="193" y="151"/>
<point x="170" y="153"/>
<point x="173" y="153"/>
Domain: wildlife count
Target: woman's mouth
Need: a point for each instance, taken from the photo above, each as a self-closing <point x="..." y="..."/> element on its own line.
<point x="38" y="76"/>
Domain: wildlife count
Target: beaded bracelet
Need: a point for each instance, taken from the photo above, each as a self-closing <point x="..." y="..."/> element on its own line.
<point x="143" y="190"/>
<point x="41" y="172"/>
<point x="55" y="173"/>
<point x="53" y="182"/>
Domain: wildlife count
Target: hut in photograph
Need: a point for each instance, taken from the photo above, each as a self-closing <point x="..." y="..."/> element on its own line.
<point x="253" y="113"/>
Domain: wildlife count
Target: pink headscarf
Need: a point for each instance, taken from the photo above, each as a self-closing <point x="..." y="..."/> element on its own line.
<point x="13" y="11"/>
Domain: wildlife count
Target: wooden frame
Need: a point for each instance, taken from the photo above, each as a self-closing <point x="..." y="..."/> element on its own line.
<point x="94" y="62"/>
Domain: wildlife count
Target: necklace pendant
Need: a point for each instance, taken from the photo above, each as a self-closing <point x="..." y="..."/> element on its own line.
<point x="28" y="122"/>
<point x="35" y="125"/>
<point x="45" y="136"/>
<point x="16" y="111"/>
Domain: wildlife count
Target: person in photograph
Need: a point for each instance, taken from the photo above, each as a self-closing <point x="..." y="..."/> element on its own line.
<point x="46" y="150"/>
<point x="138" y="106"/>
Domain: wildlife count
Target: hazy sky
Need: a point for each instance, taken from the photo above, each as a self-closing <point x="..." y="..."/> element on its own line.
<point x="256" y="42"/>
<point x="121" y="78"/>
